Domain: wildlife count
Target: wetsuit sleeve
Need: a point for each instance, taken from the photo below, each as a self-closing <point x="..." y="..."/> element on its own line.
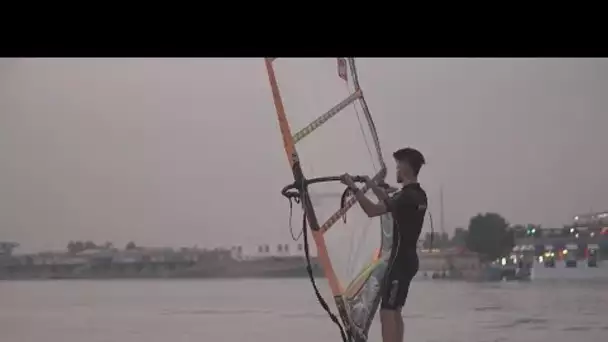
<point x="401" y="200"/>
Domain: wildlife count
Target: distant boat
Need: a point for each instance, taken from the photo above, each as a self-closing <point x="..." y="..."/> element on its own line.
<point x="578" y="269"/>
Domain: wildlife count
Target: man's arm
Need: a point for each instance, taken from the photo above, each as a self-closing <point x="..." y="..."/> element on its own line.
<point x="381" y="193"/>
<point x="391" y="189"/>
<point x="390" y="204"/>
<point x="370" y="208"/>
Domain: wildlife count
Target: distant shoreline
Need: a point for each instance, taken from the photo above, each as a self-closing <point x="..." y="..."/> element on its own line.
<point x="207" y="265"/>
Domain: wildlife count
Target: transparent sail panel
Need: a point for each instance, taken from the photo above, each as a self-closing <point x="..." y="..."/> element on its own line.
<point x="342" y="144"/>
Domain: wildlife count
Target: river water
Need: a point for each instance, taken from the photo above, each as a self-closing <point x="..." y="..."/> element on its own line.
<point x="286" y="310"/>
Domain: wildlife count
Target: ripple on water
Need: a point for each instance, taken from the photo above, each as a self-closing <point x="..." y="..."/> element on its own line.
<point x="218" y="312"/>
<point x="536" y="322"/>
<point x="577" y="328"/>
<point x="488" y="308"/>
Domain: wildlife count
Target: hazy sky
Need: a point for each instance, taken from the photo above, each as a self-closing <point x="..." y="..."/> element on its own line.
<point x="184" y="152"/>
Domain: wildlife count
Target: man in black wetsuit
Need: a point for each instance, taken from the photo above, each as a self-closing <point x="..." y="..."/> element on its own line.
<point x="408" y="208"/>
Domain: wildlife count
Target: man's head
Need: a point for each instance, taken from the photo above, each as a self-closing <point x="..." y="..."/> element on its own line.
<point x="409" y="161"/>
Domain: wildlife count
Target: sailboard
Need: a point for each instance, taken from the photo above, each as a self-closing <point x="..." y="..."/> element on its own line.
<point x="335" y="134"/>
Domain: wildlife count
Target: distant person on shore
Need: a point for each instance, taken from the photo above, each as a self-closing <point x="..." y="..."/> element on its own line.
<point x="408" y="208"/>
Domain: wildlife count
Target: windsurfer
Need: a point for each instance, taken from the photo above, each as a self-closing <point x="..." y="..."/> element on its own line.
<point x="408" y="207"/>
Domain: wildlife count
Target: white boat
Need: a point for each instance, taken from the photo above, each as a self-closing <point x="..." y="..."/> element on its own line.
<point x="572" y="267"/>
<point x="560" y="271"/>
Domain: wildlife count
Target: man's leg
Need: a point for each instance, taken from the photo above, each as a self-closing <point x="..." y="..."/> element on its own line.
<point x="399" y="320"/>
<point x="390" y="310"/>
<point x="392" y="325"/>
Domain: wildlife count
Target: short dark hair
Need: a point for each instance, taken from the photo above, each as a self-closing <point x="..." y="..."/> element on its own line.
<point x="411" y="156"/>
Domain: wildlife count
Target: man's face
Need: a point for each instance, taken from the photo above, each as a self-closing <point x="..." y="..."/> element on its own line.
<point x="403" y="171"/>
<point x="400" y="171"/>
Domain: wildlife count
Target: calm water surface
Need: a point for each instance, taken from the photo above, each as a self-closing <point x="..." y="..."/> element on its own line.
<point x="286" y="310"/>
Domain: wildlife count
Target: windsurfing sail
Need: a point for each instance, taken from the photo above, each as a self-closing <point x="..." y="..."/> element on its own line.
<point x="334" y="134"/>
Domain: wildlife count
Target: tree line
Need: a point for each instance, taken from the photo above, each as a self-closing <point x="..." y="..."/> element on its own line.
<point x="488" y="234"/>
<point x="80" y="246"/>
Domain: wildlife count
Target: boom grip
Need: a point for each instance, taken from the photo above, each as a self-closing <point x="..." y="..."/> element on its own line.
<point x="293" y="190"/>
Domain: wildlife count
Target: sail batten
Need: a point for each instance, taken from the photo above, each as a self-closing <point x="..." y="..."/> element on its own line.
<point x="326" y="116"/>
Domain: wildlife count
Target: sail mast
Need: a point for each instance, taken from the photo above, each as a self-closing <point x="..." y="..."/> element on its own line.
<point x="441" y="218"/>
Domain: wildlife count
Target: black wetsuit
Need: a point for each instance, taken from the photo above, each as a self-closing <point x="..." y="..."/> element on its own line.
<point x="408" y="207"/>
